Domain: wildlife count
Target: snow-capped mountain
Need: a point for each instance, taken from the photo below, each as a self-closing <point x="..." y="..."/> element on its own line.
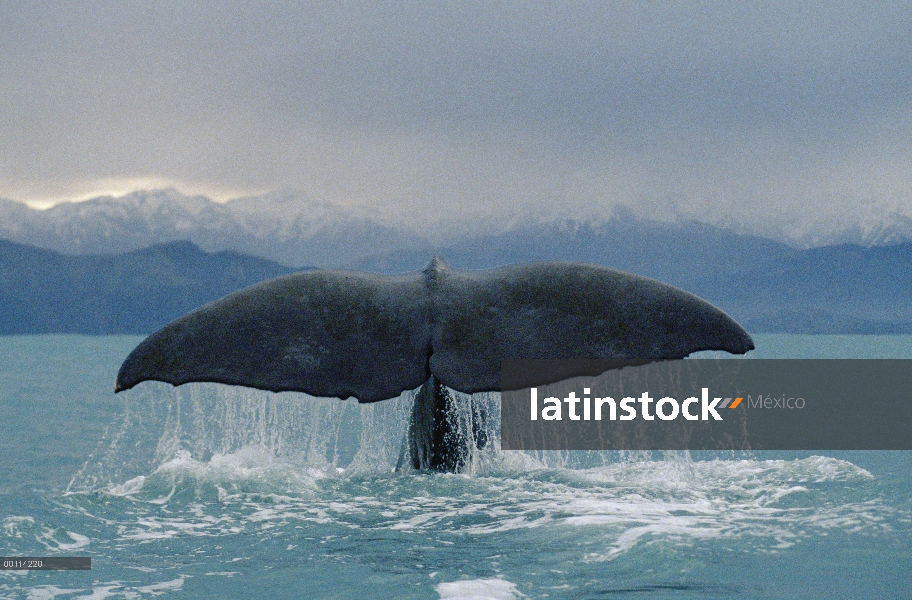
<point x="287" y="228"/>
<point x="294" y="230"/>
<point x="766" y="285"/>
<point x="882" y="230"/>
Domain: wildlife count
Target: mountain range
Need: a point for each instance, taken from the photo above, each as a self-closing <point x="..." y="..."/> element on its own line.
<point x="295" y="230"/>
<point x="137" y="292"/>
<point x="285" y="228"/>
<point x="130" y="265"/>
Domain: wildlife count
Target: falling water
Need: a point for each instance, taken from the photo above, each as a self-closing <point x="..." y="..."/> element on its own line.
<point x="214" y="426"/>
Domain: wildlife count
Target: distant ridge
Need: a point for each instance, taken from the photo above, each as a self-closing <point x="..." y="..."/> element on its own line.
<point x="766" y="286"/>
<point x="137" y="292"/>
<point x="294" y="230"/>
<point x="286" y="228"/>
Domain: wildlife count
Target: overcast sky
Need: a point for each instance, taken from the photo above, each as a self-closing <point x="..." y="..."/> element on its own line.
<point x="768" y="116"/>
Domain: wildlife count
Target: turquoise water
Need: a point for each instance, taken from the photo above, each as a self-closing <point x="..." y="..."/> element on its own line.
<point x="207" y="491"/>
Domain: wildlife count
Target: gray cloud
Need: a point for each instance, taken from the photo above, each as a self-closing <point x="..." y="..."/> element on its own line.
<point x="768" y="116"/>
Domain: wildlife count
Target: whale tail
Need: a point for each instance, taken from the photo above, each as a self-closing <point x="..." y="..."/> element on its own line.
<point x="345" y="334"/>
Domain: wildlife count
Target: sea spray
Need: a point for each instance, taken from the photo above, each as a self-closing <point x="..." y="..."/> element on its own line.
<point x="197" y="422"/>
<point x="202" y="422"/>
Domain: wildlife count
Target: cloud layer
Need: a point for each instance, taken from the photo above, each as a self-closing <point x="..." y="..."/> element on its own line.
<point x="786" y="119"/>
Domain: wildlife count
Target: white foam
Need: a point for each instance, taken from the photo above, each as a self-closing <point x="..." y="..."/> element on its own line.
<point x="49" y="537"/>
<point x="108" y="591"/>
<point x="620" y="505"/>
<point x="129" y="487"/>
<point x="478" y="589"/>
<point x="12" y="525"/>
<point x="157" y="589"/>
<point x="262" y="461"/>
<point x="47" y="592"/>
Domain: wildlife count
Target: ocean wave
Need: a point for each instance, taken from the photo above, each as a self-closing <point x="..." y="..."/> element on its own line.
<point x="774" y="503"/>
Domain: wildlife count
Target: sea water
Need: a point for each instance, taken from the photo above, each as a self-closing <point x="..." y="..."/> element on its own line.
<point x="210" y="491"/>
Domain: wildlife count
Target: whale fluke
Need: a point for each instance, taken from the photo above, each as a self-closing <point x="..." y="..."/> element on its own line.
<point x="342" y="334"/>
<point x="326" y="333"/>
<point x="347" y="334"/>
